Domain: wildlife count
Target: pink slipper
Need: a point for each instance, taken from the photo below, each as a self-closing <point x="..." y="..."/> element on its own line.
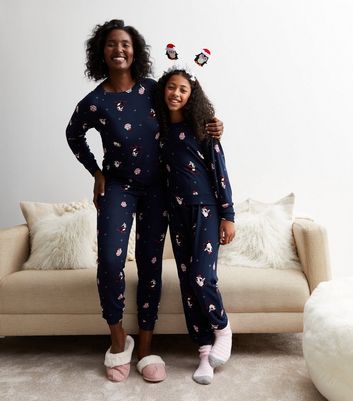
<point x="117" y="366"/>
<point x="118" y="373"/>
<point x="152" y="368"/>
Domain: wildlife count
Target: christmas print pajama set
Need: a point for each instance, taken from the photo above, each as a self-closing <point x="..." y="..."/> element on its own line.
<point x="129" y="131"/>
<point x="199" y="197"/>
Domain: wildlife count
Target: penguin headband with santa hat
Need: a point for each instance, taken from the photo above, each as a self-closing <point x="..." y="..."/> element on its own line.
<point x="200" y="59"/>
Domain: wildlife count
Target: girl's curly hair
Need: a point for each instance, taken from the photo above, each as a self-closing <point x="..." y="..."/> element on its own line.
<point x="96" y="68"/>
<point x="197" y="112"/>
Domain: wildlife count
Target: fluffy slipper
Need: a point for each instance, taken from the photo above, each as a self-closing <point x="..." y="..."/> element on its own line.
<point x="152" y="368"/>
<point x="118" y="365"/>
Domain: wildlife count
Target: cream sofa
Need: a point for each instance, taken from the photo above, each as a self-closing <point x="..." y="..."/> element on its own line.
<point x="36" y="302"/>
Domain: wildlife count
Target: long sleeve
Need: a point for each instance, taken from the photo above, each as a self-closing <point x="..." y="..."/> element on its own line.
<point x="81" y="121"/>
<point x="221" y="181"/>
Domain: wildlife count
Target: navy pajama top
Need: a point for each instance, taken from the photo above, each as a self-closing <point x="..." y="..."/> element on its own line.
<point x="196" y="171"/>
<point x="129" y="130"/>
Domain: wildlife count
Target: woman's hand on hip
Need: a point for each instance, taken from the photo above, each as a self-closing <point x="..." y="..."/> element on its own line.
<point x="226" y="232"/>
<point x="99" y="186"/>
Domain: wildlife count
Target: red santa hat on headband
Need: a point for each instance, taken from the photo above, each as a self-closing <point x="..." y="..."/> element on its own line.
<point x="171" y="51"/>
<point x="202" y="58"/>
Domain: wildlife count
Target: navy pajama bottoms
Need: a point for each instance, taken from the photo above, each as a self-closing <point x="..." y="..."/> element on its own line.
<point x="194" y="233"/>
<point x="116" y="211"/>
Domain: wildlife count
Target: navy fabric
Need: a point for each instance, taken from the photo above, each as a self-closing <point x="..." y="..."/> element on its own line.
<point x="129" y="131"/>
<point x="195" y="238"/>
<point x="196" y="171"/>
<point x="117" y="208"/>
<point x="199" y="197"/>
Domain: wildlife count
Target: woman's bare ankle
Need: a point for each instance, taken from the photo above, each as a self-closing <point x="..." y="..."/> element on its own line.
<point x="118" y="338"/>
<point x="145" y="342"/>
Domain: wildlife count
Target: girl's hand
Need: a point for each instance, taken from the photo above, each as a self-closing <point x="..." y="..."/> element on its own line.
<point x="99" y="186"/>
<point x="215" y="128"/>
<point x="226" y="232"/>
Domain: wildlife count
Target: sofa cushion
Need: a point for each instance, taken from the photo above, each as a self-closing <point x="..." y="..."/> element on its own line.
<point x="64" y="242"/>
<point x="245" y="289"/>
<point x="57" y="227"/>
<point x="74" y="291"/>
<point x="264" y="236"/>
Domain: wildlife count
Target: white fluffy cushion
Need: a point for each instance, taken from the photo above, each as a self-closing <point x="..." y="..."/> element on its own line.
<point x="63" y="235"/>
<point x="64" y="242"/>
<point x="328" y="338"/>
<point x="264" y="236"/>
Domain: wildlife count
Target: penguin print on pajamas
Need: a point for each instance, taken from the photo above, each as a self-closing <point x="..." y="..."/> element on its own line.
<point x="200" y="280"/>
<point x="179" y="200"/>
<point x="205" y="212"/>
<point x="208" y="248"/>
<point x="135" y="151"/>
<point x="223" y="183"/>
<point x="120" y="105"/>
<point x="177" y="239"/>
<point x="191" y="166"/>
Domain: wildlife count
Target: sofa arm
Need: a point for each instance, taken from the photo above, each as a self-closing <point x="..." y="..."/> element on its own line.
<point x="312" y="246"/>
<point x="14" y="248"/>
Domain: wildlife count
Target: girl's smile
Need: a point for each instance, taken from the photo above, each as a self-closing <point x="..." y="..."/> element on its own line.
<point x="176" y="95"/>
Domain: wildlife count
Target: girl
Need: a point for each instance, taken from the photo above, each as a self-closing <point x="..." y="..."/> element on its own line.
<point x="120" y="108"/>
<point x="201" y="212"/>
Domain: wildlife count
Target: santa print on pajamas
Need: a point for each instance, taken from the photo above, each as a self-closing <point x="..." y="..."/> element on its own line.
<point x="129" y="131"/>
<point x="199" y="196"/>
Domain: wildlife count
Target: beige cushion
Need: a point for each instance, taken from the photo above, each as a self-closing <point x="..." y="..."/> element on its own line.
<point x="35" y="211"/>
<point x="51" y="220"/>
<point x="74" y="291"/>
<point x="264" y="236"/>
<point x="64" y="242"/>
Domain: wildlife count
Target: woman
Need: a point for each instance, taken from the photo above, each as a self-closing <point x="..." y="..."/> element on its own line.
<point x="129" y="184"/>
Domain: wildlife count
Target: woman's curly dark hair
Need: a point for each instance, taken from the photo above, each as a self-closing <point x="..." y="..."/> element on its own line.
<point x="197" y="112"/>
<point x="96" y="68"/>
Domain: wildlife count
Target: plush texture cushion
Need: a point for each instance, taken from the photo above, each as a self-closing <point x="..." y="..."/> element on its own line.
<point x="63" y="235"/>
<point x="64" y="242"/>
<point x="264" y="236"/>
<point x="35" y="211"/>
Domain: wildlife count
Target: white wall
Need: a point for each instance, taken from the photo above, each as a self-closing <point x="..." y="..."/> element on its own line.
<point x="280" y="76"/>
